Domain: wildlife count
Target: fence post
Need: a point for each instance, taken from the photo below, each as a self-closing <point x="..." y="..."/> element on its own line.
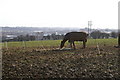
<point x="0" y="62"/>
<point x="119" y="40"/>
<point x="119" y="24"/>
<point x="6" y="45"/>
<point x="24" y="44"/>
<point x="98" y="48"/>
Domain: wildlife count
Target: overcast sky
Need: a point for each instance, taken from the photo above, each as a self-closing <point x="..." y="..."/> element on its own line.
<point x="59" y="13"/>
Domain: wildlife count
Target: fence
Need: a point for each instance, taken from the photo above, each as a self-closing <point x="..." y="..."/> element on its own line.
<point x="27" y="44"/>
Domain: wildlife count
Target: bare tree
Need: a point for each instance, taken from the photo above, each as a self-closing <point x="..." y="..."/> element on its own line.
<point x="114" y="34"/>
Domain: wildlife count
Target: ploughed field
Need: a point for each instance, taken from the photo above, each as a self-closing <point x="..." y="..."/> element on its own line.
<point x="43" y="59"/>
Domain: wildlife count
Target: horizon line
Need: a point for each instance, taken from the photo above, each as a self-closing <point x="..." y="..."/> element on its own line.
<point x="55" y="27"/>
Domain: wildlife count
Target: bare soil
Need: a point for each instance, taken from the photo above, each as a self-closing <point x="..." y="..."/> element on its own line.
<point x="51" y="63"/>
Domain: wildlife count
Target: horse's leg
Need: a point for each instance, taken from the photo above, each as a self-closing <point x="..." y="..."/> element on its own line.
<point x="84" y="44"/>
<point x="70" y="44"/>
<point x="74" y="45"/>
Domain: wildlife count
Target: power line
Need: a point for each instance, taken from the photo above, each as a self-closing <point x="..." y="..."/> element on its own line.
<point x="89" y="27"/>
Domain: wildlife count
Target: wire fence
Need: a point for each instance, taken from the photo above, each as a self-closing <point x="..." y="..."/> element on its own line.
<point x="32" y="44"/>
<point x="52" y="44"/>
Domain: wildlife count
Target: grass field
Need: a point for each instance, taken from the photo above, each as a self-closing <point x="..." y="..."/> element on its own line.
<point x="57" y="43"/>
<point x="41" y="59"/>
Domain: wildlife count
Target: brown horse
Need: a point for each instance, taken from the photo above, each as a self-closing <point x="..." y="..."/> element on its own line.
<point x="74" y="36"/>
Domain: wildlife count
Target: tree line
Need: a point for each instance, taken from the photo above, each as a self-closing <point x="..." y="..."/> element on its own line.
<point x="95" y="35"/>
<point x="98" y="34"/>
<point x="28" y="37"/>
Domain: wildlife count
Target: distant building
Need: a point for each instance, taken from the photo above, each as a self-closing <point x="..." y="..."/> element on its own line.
<point x="10" y="37"/>
<point x="38" y="35"/>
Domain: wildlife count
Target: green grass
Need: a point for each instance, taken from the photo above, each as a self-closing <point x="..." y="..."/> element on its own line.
<point x="32" y="43"/>
<point x="57" y="43"/>
<point x="108" y="42"/>
<point x="102" y="41"/>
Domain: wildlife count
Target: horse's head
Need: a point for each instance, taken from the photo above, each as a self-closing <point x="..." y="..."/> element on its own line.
<point x="62" y="44"/>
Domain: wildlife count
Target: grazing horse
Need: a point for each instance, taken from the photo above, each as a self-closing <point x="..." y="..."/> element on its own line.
<point x="74" y="36"/>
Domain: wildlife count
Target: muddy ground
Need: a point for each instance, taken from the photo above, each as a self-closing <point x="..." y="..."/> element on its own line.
<point x="52" y="63"/>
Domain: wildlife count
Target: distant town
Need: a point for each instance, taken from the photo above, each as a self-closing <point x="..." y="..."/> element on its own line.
<point x="47" y="33"/>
